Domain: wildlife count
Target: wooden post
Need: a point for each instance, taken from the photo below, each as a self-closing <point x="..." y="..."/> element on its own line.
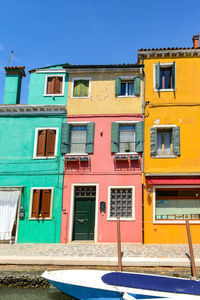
<point x="119" y="245"/>
<point x="193" y="268"/>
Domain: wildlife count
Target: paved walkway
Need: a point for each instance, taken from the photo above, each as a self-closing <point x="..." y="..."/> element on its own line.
<point x="97" y="254"/>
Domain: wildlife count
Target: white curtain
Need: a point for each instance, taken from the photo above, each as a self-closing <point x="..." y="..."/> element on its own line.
<point x="8" y="209"/>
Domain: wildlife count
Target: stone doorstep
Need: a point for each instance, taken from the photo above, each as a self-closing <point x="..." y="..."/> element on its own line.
<point x="98" y="261"/>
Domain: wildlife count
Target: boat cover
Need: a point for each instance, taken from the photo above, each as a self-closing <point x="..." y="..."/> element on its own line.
<point x="153" y="283"/>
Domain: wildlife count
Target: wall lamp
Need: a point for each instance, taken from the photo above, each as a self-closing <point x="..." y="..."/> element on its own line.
<point x="148" y="191"/>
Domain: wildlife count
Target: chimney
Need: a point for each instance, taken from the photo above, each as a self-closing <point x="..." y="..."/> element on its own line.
<point x="195" y="41"/>
<point x="13" y="84"/>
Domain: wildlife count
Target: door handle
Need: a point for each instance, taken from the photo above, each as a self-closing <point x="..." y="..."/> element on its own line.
<point x="81" y="220"/>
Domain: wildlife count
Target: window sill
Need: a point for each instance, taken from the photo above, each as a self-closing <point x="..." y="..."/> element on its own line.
<point x="126" y="153"/>
<point x="79" y="97"/>
<point x="76" y="154"/>
<point x="121" y="219"/>
<point x="44" y="157"/>
<point x="53" y="95"/>
<point x="164" y="90"/>
<point x="40" y="219"/>
<point x="164" y="156"/>
<point x="128" y="96"/>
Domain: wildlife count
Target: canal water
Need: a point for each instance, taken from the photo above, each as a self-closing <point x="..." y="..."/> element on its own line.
<point x="13" y="293"/>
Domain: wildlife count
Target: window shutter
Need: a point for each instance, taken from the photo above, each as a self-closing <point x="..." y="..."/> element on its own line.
<point x="117" y="86"/>
<point x="35" y="204"/>
<point x="50" y="85"/>
<point x="77" y="88"/>
<point x="58" y="85"/>
<point x="41" y="142"/>
<point x="65" y="138"/>
<point x="137" y="86"/>
<point x="174" y="75"/>
<point x="158" y="76"/>
<point x="90" y="138"/>
<point x="115" y="138"/>
<point x="176" y="140"/>
<point x="50" y="142"/>
<point x="139" y="131"/>
<point x="46" y="204"/>
<point x="153" y="141"/>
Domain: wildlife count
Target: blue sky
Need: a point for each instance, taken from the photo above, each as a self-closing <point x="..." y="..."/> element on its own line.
<point x="47" y="32"/>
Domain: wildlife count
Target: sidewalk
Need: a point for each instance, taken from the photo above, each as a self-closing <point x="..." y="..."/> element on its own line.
<point x="91" y="254"/>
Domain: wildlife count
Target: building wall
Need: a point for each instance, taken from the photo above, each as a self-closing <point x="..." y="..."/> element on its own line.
<point x="103" y="99"/>
<point x="104" y="171"/>
<point x="19" y="169"/>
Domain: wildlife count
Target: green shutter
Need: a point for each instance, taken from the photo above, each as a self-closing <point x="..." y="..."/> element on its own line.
<point x="115" y="138"/>
<point x="90" y="138"/>
<point x="65" y="139"/>
<point x="153" y="138"/>
<point x="139" y="139"/>
<point x="174" y="75"/>
<point x="176" y="140"/>
<point x="158" y="76"/>
<point x="137" y="86"/>
<point x="117" y="86"/>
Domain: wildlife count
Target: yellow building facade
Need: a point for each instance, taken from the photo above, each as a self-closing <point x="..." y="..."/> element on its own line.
<point x="172" y="139"/>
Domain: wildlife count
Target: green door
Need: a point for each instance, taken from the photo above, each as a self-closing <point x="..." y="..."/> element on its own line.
<point x="84" y="218"/>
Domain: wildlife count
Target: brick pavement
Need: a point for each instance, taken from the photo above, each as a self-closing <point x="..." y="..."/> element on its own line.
<point x="97" y="254"/>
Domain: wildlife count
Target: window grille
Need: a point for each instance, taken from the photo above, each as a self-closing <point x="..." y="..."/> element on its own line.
<point x="121" y="202"/>
<point x="85" y="191"/>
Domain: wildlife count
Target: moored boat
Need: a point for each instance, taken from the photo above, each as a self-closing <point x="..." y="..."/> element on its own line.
<point x="102" y="285"/>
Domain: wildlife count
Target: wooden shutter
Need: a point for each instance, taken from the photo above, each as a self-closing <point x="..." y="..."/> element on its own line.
<point x="176" y="140"/>
<point x="153" y="138"/>
<point x="90" y="138"/>
<point x="65" y="138"/>
<point x="50" y="142"/>
<point x="41" y="142"/>
<point x="77" y="88"/>
<point x="139" y="140"/>
<point x="58" y="85"/>
<point x="137" y="86"/>
<point x="157" y="76"/>
<point x="36" y="204"/>
<point x="46" y="204"/>
<point x="117" y="86"/>
<point x="115" y="137"/>
<point x="50" y="85"/>
<point x="174" y="75"/>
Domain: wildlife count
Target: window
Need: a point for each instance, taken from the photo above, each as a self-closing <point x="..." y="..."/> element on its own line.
<point x="165" y="141"/>
<point x="121" y="202"/>
<point x="54" y="85"/>
<point x="41" y="203"/>
<point x="81" y="87"/>
<point x="45" y="142"/>
<point x="164" y="76"/>
<point x="77" y="138"/>
<point x="127" y="86"/>
<point x="127" y="137"/>
<point x="177" y="204"/>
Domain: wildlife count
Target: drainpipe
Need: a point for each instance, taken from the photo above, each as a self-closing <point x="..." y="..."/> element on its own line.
<point x="143" y="118"/>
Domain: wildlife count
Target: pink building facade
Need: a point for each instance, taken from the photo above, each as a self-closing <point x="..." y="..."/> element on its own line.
<point x="103" y="176"/>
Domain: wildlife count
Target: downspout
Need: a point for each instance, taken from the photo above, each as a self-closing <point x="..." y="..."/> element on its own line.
<point x="143" y="118"/>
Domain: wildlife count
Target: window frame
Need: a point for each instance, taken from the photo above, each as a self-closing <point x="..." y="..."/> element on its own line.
<point x="127" y="78"/>
<point x="128" y="123"/>
<point x="164" y="127"/>
<point x="164" y="65"/>
<point x="109" y="218"/>
<point x="181" y="221"/>
<point x="31" y="203"/>
<point x="45" y="86"/>
<point x="89" y="88"/>
<point x="37" y="129"/>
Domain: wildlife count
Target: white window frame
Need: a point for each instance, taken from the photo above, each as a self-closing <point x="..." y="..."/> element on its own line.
<point x="165" y="65"/>
<point x="31" y="203"/>
<point x="154" y="204"/>
<point x="82" y="123"/>
<point x="164" y="127"/>
<point x="45" y="86"/>
<point x="128" y="123"/>
<point x="124" y="78"/>
<point x="71" y="219"/>
<point x="89" y="89"/>
<point x="36" y="143"/>
<point x="133" y="202"/>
